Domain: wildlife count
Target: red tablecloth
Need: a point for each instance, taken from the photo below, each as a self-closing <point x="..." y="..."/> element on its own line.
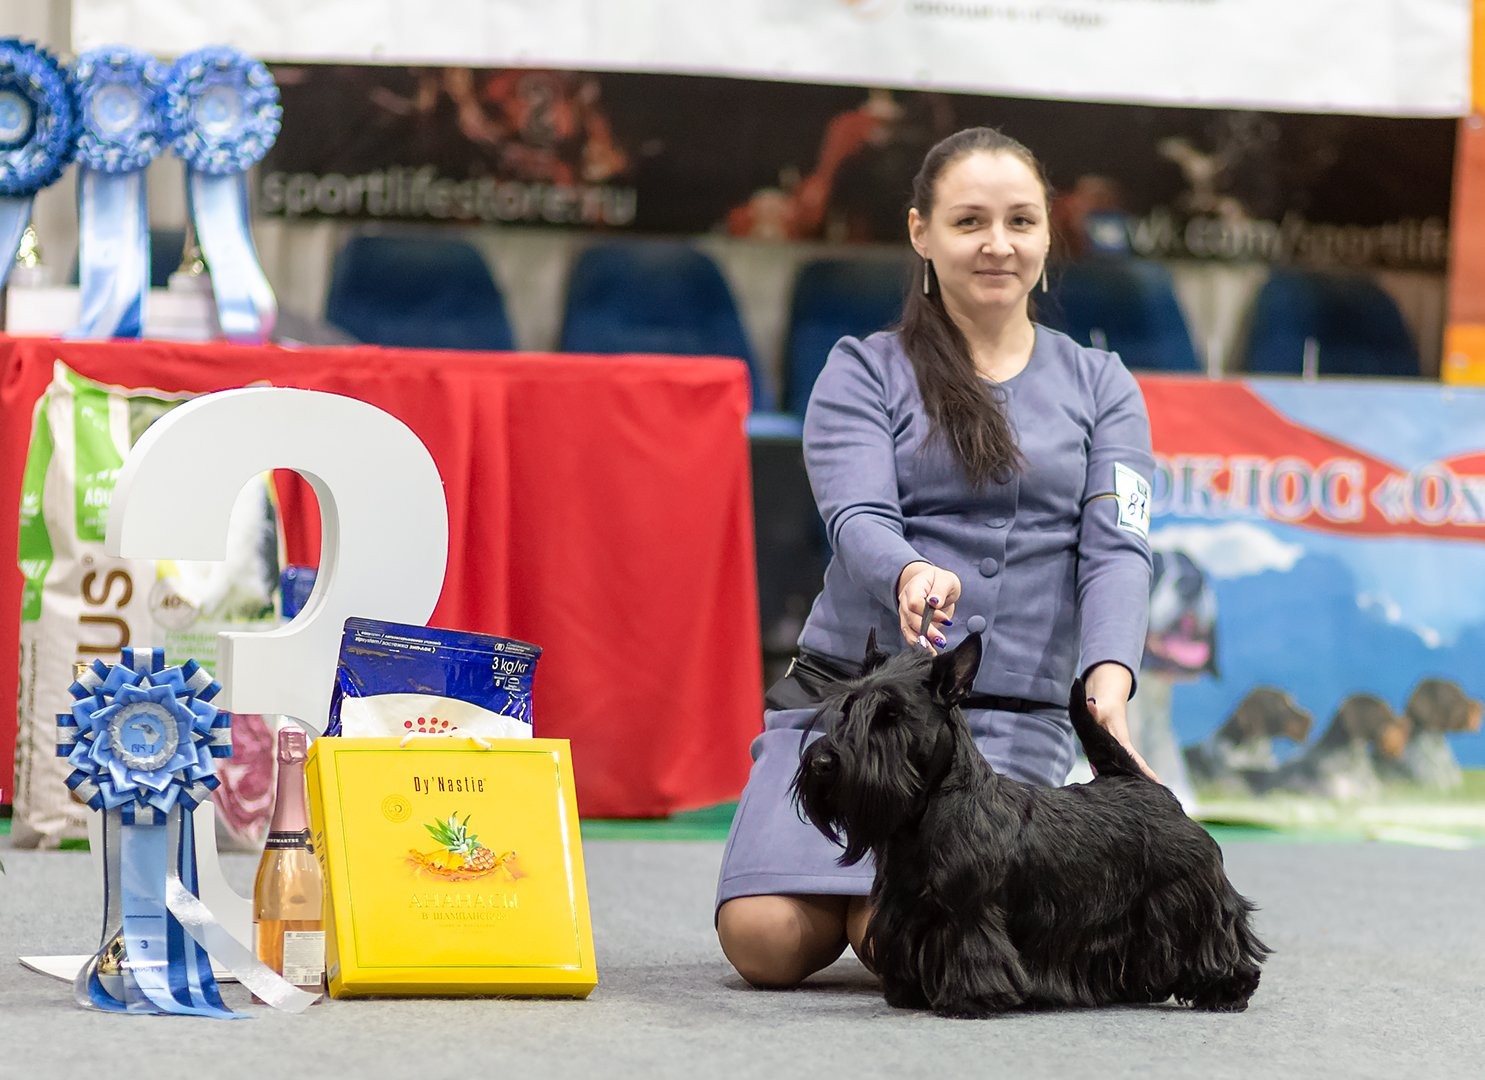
<point x="598" y="506"/>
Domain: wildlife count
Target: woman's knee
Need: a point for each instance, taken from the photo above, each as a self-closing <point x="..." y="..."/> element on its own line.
<point x="775" y="942"/>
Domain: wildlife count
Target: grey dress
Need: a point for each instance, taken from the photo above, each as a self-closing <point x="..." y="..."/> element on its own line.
<point x="1054" y="567"/>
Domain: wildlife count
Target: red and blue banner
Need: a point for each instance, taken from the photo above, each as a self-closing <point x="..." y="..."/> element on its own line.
<point x="1318" y="613"/>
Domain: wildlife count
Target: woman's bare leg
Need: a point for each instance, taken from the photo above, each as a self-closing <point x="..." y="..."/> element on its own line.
<point x="776" y="942"/>
<point x="858" y="912"/>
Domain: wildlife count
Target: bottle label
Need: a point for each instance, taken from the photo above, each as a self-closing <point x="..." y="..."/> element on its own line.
<point x="304" y="957"/>
<point x="279" y="840"/>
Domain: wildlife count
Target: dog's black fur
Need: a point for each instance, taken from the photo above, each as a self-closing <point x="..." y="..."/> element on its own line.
<point x="992" y="894"/>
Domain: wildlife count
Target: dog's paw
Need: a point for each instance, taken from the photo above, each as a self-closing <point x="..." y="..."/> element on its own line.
<point x="901" y="996"/>
<point x="976" y="1008"/>
<point x="1228" y="993"/>
<point x="1220" y="1006"/>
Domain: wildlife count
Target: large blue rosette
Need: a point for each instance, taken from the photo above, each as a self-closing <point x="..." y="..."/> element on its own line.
<point x="118" y="92"/>
<point x="142" y="739"/>
<point x="223" y="113"/>
<point x="38" y="135"/>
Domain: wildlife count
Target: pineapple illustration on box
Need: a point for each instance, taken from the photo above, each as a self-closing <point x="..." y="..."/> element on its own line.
<point x="462" y="857"/>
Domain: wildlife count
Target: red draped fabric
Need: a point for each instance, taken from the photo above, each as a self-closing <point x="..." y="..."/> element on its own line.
<point x="600" y="507"/>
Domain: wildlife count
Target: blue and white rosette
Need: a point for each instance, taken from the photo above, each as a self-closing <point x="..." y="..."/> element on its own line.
<point x="38" y="135"/>
<point x="223" y="112"/>
<point x="118" y="92"/>
<point x="142" y="739"/>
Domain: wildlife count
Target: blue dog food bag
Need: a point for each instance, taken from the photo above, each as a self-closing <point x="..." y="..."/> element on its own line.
<point x="394" y="679"/>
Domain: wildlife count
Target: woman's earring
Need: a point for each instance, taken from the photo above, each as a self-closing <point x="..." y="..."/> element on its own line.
<point x="927" y="273"/>
<point x="1044" y="277"/>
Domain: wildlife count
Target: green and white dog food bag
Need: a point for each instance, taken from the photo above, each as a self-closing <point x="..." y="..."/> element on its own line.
<point x="80" y="604"/>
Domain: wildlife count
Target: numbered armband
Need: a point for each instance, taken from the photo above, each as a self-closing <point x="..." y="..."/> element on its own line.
<point x="1130" y="499"/>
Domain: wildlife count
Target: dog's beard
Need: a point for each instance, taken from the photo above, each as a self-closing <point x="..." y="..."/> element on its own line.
<point x="815" y="789"/>
<point x="891" y="737"/>
<point x="860" y="787"/>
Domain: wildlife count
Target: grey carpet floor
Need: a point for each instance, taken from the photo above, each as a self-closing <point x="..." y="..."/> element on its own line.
<point x="1379" y="972"/>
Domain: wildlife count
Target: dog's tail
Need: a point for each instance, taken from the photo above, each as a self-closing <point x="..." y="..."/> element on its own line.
<point x="1105" y="753"/>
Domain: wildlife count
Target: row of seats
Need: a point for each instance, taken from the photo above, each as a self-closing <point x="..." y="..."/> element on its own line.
<point x="650" y="297"/>
<point x="668" y="297"/>
<point x="1334" y="323"/>
<point x="421" y="291"/>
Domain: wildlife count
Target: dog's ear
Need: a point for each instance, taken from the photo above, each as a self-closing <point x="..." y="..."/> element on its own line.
<point x="874" y="657"/>
<point x="953" y="673"/>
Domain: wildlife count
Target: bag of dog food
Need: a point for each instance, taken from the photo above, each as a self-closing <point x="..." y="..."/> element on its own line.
<point x="80" y="604"/>
<point x="393" y="679"/>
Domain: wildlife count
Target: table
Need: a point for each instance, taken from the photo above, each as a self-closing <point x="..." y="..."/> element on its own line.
<point x="598" y="506"/>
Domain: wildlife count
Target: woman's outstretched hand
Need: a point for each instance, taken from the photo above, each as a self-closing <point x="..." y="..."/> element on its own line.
<point x="920" y="585"/>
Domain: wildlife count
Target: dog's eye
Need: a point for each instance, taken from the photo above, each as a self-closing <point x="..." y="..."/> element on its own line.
<point x="887" y="716"/>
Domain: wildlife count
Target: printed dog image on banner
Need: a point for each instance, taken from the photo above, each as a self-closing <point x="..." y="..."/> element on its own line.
<point x="1328" y="652"/>
<point x="1180" y="645"/>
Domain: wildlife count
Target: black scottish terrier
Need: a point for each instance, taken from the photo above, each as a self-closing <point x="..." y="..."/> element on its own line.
<point x="991" y="894"/>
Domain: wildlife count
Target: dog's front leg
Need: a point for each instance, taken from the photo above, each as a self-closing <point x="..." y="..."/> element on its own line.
<point x="892" y="941"/>
<point x="971" y="970"/>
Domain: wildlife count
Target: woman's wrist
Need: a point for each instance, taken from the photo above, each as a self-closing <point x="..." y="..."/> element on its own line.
<point x="908" y="571"/>
<point x="1109" y="681"/>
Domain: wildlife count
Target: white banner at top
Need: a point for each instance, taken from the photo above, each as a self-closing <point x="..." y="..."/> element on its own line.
<point x="1382" y="57"/>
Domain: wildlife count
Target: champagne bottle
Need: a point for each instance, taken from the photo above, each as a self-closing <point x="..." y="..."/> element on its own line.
<point x="288" y="895"/>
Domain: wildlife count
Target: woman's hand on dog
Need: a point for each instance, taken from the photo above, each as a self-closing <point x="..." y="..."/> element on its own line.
<point x="1108" y="686"/>
<point x="922" y="584"/>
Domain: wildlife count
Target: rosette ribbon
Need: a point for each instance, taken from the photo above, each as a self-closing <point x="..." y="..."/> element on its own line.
<point x="223" y="114"/>
<point x="38" y="136"/>
<point x="142" y="739"/>
<point x="118" y="94"/>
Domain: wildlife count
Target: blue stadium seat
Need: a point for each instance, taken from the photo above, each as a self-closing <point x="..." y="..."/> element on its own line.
<point x="1354" y="324"/>
<point x="834" y="298"/>
<point x="655" y="297"/>
<point x="166" y="248"/>
<point x="420" y="292"/>
<point x="1124" y="304"/>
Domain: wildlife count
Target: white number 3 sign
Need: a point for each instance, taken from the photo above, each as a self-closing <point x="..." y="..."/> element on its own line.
<point x="383" y="550"/>
<point x="384" y="524"/>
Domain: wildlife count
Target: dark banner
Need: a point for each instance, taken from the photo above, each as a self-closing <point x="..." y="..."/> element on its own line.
<point x="683" y="154"/>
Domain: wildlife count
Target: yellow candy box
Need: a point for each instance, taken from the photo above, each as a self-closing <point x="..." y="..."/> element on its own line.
<point x="451" y="868"/>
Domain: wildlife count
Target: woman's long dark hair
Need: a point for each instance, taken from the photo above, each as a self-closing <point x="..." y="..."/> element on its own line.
<point x="969" y="414"/>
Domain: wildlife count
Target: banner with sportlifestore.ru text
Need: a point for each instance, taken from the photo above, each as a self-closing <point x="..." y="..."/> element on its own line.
<point x="1317" y="622"/>
<point x="1384" y="57"/>
<point x="619" y="152"/>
